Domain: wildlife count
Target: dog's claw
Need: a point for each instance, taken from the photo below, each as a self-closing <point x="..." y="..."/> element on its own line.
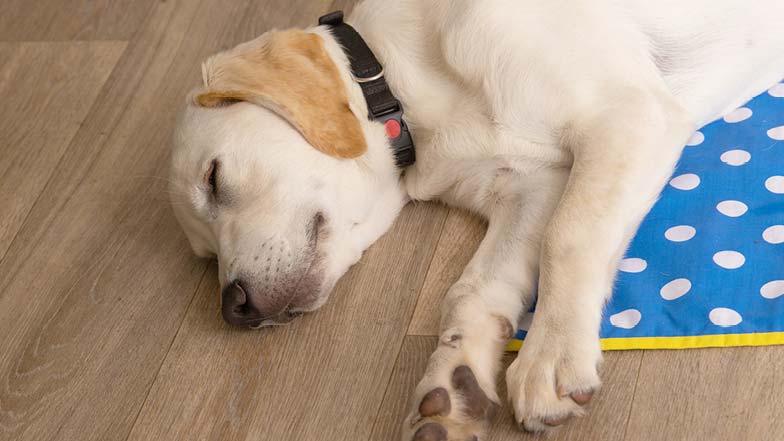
<point x="582" y="398"/>
<point x="556" y="421"/>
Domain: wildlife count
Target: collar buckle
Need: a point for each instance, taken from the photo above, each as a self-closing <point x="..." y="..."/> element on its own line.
<point x="382" y="105"/>
<point x="368" y="79"/>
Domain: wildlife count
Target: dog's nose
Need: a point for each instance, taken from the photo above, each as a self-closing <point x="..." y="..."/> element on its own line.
<point x="239" y="307"/>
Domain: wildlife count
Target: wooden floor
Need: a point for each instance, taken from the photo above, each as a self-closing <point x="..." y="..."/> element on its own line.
<point x="110" y="329"/>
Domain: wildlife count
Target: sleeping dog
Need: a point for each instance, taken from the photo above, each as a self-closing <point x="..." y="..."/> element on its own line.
<point x="558" y="121"/>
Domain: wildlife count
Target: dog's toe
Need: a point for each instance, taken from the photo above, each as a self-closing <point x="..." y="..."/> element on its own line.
<point x="430" y="432"/>
<point x="435" y="402"/>
<point x="550" y="384"/>
<point x="476" y="403"/>
<point x="457" y="411"/>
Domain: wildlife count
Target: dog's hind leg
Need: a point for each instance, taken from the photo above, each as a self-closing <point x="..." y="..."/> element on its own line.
<point x="623" y="156"/>
<point x="456" y="398"/>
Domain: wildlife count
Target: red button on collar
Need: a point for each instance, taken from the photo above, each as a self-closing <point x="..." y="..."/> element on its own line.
<point x="393" y="128"/>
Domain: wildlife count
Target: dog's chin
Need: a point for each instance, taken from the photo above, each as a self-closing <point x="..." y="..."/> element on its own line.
<point x="292" y="314"/>
<point x="317" y="301"/>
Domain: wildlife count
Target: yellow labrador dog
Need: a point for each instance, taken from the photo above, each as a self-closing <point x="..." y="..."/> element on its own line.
<point x="558" y="121"/>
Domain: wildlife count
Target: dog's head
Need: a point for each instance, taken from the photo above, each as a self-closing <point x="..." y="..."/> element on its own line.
<point x="274" y="173"/>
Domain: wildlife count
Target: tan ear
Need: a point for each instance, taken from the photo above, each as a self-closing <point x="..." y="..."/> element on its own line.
<point x="290" y="73"/>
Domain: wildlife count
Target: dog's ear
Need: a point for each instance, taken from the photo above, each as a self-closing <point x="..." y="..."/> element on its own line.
<point x="290" y="73"/>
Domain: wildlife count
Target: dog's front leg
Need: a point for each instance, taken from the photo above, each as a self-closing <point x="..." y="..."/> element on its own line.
<point x="456" y="398"/>
<point x="622" y="159"/>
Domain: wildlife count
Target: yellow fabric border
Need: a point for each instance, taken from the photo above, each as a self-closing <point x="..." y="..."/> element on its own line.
<point x="696" y="341"/>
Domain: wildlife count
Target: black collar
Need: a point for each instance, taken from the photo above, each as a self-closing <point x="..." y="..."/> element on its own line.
<point x="369" y="74"/>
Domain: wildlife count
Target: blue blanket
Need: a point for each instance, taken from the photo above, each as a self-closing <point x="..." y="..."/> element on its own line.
<point x="706" y="267"/>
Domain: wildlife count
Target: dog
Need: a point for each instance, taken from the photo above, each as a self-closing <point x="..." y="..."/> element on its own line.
<point x="557" y="121"/>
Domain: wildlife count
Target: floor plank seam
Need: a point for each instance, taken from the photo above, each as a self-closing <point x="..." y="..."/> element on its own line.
<point x="143" y="23"/>
<point x="102" y="94"/>
<point x="26" y="219"/>
<point x="427" y="271"/>
<point x="168" y="350"/>
<point x="410" y="317"/>
<point x="62" y="305"/>
<point x="76" y="41"/>
<point x="107" y="131"/>
<point x="634" y="394"/>
<point x="389" y="383"/>
<point x="418" y="334"/>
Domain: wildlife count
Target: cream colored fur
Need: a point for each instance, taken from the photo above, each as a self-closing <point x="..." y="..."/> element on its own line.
<point x="558" y="121"/>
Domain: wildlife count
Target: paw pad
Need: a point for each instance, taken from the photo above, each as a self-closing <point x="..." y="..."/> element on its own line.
<point x="430" y="432"/>
<point x="477" y="405"/>
<point x="435" y="402"/>
<point x="435" y="418"/>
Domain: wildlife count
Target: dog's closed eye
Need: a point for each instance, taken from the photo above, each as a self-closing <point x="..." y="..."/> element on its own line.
<point x="211" y="178"/>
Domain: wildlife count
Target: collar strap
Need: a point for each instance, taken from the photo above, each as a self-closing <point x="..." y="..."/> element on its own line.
<point x="369" y="74"/>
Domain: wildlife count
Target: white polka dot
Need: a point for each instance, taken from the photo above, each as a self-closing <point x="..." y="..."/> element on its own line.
<point x="738" y="115"/>
<point x="775" y="184"/>
<point x="774" y="234"/>
<point x="773" y="289"/>
<point x="732" y="208"/>
<point x="688" y="181"/>
<point x="696" y="139"/>
<point x="626" y="319"/>
<point x="776" y="133"/>
<point x="724" y="317"/>
<point x="681" y="233"/>
<point x="633" y="265"/>
<point x="735" y="157"/>
<point x="777" y="91"/>
<point x="729" y="259"/>
<point x="674" y="289"/>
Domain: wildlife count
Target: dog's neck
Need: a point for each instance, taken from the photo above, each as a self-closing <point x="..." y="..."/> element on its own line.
<point x="379" y="157"/>
<point x="373" y="180"/>
<point x="383" y="106"/>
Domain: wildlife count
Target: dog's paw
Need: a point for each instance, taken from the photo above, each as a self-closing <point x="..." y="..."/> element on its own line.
<point x="551" y="381"/>
<point x="457" y="411"/>
<point x="456" y="399"/>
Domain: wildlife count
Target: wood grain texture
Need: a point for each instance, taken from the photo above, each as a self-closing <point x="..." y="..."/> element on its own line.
<point x="111" y="330"/>
<point x="322" y="377"/>
<point x="88" y="306"/>
<point x="461" y="236"/>
<point x="409" y="368"/>
<point x="710" y="394"/>
<point x="607" y="413"/>
<point x="48" y="90"/>
<point x="121" y="110"/>
<point x="71" y="19"/>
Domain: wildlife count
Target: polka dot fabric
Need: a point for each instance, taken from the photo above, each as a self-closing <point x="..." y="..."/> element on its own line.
<point x="707" y="265"/>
